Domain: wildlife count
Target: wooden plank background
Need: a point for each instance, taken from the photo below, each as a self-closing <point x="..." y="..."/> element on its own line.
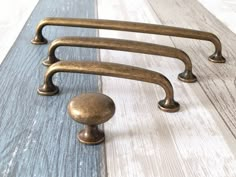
<point x="195" y="142"/>
<point x="37" y="137"/>
<point x="224" y="10"/>
<point x="218" y="81"/>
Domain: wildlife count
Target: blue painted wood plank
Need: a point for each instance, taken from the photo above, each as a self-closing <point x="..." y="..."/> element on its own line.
<point x="37" y="137"/>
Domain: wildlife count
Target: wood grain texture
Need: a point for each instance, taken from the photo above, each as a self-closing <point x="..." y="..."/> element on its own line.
<point x="140" y="139"/>
<point x="218" y="81"/>
<point x="224" y="10"/>
<point x="37" y="137"/>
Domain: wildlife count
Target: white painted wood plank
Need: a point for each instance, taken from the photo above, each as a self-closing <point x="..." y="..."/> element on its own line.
<point x="143" y="141"/>
<point x="13" y="15"/>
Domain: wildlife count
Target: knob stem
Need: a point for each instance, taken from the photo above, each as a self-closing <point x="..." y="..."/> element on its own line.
<point x="91" y="135"/>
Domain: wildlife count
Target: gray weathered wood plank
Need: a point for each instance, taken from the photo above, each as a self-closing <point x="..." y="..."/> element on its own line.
<point x="37" y="137"/>
<point x="217" y="80"/>
<point x="224" y="10"/>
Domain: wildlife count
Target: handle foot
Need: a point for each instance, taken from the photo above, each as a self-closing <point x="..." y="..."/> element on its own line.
<point x="217" y="58"/>
<point x="39" y="40"/>
<point x="187" y="76"/>
<point x="46" y="90"/>
<point x="169" y="106"/>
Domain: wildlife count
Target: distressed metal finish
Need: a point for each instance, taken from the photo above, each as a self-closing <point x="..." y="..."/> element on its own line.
<point x="91" y="109"/>
<point x="124" y="45"/>
<point x="132" y="27"/>
<point x="110" y="69"/>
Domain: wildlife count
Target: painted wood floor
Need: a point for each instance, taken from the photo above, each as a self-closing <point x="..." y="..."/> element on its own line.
<point x="199" y="140"/>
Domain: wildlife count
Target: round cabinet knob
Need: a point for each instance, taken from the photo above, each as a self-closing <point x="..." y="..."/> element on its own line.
<point x="91" y="109"/>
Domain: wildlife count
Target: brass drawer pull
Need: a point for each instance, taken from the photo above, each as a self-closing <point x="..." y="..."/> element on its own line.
<point x="110" y="69"/>
<point x="132" y="27"/>
<point x="124" y="45"/>
<point x="91" y="109"/>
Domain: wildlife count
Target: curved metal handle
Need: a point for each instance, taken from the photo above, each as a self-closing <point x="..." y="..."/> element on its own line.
<point x="110" y="69"/>
<point x="132" y="27"/>
<point x="124" y="45"/>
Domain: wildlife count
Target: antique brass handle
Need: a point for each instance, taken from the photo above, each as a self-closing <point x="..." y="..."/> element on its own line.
<point x="110" y="69"/>
<point x="91" y="109"/>
<point x="132" y="27"/>
<point x="124" y="45"/>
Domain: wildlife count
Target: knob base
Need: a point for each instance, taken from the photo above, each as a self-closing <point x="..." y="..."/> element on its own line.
<point x="91" y="135"/>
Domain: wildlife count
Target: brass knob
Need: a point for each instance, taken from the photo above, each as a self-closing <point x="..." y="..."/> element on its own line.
<point x="91" y="109"/>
